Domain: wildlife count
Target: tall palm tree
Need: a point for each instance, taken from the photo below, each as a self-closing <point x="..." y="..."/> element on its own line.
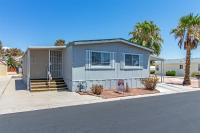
<point x="188" y="34"/>
<point x="148" y="35"/>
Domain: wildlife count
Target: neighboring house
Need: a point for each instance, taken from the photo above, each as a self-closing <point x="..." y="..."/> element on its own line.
<point x="3" y="68"/>
<point x="83" y="63"/>
<point x="178" y="65"/>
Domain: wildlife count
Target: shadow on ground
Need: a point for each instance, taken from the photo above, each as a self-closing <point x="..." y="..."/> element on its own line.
<point x="174" y="83"/>
<point x="20" y="85"/>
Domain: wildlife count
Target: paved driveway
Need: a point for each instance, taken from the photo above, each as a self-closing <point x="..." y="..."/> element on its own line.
<point x="16" y="98"/>
<point x="175" y="113"/>
<point x="4" y="80"/>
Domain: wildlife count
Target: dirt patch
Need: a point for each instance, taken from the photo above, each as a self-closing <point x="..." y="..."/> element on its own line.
<point x="179" y="81"/>
<point x="111" y="93"/>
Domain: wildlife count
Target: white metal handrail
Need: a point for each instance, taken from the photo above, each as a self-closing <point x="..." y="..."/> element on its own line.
<point x="49" y="77"/>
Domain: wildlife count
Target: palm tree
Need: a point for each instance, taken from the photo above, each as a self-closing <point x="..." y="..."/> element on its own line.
<point x="188" y="34"/>
<point x="14" y="52"/>
<point x="60" y="42"/>
<point x="11" y="62"/>
<point x="148" y="35"/>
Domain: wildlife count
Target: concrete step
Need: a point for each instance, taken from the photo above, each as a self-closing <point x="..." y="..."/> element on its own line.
<point x="46" y="83"/>
<point x="51" y="86"/>
<point x="42" y="80"/>
<point x="42" y="85"/>
<point x="48" y="89"/>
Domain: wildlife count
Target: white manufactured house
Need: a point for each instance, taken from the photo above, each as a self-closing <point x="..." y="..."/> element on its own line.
<point x="178" y="65"/>
<point x="80" y="64"/>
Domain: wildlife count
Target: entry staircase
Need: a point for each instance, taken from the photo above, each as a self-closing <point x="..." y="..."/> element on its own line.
<point x="56" y="84"/>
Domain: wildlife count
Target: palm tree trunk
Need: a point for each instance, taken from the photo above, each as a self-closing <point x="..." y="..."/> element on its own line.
<point x="187" y="80"/>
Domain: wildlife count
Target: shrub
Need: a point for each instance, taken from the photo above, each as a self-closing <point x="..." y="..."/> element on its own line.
<point x="195" y="73"/>
<point x="150" y="83"/>
<point x="152" y="71"/>
<point x="171" y="73"/>
<point x="97" y="89"/>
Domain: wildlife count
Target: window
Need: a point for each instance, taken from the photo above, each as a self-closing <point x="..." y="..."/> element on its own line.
<point x="181" y="66"/>
<point x="198" y="67"/>
<point x="100" y="58"/>
<point x="132" y="60"/>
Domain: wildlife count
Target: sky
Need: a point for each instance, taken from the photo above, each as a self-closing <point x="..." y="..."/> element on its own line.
<point x="26" y="23"/>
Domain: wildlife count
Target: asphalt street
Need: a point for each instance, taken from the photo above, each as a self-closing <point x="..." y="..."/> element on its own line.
<point x="175" y="113"/>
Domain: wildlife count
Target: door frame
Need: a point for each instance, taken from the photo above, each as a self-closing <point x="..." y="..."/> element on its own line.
<point x="49" y="65"/>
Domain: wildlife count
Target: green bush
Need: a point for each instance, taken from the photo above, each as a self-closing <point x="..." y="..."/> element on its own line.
<point x="152" y="72"/>
<point x="171" y="73"/>
<point x="195" y="73"/>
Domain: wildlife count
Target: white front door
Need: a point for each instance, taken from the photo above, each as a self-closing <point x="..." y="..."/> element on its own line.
<point x="56" y="63"/>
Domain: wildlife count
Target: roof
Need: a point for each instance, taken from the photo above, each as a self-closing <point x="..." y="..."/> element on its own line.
<point x="156" y="58"/>
<point x="43" y="47"/>
<point x="83" y="42"/>
<point x="46" y="47"/>
<point x="181" y="61"/>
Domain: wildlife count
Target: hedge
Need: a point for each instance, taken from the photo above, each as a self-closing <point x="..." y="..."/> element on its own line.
<point x="171" y="73"/>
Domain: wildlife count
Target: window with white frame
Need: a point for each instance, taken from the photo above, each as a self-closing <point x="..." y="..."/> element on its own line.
<point x="99" y="60"/>
<point x="132" y="60"/>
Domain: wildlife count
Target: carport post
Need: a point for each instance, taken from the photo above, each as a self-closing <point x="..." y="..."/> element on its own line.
<point x="163" y="70"/>
<point x="161" y="75"/>
<point x="28" y="69"/>
<point x="49" y="61"/>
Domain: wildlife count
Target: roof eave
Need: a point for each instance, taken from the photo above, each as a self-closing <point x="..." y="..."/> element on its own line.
<point x="46" y="47"/>
<point x="110" y="41"/>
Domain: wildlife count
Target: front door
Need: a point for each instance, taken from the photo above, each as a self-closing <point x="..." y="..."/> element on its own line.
<point x="56" y="63"/>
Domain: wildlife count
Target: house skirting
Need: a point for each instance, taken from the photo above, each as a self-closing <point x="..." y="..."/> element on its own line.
<point x="77" y="85"/>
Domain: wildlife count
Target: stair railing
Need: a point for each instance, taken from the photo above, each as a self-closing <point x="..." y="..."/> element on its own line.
<point x="49" y="77"/>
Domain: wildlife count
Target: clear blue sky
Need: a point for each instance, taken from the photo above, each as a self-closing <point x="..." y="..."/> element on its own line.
<point x="41" y="22"/>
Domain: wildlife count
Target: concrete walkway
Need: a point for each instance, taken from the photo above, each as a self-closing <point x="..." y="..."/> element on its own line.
<point x="17" y="99"/>
<point x="4" y="81"/>
<point x="173" y="88"/>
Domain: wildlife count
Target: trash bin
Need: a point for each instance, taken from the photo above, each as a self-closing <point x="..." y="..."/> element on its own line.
<point x="198" y="77"/>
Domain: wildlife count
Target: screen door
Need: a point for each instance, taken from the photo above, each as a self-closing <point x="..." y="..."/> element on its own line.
<point x="56" y="63"/>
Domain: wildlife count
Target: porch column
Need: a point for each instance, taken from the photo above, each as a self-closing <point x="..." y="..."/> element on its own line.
<point x="163" y="70"/>
<point x="161" y="75"/>
<point x="49" y="61"/>
<point x="28" y="69"/>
